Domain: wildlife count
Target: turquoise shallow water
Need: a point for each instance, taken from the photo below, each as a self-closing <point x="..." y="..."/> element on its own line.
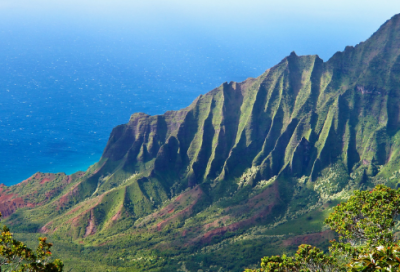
<point x="63" y="88"/>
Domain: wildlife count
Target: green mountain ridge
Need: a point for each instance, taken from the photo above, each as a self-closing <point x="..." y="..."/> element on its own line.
<point x="246" y="170"/>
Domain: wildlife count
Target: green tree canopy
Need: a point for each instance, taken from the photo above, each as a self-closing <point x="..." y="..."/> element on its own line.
<point x="365" y="225"/>
<point x="16" y="256"/>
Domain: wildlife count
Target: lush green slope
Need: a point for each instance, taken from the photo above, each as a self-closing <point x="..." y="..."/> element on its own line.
<point x="246" y="170"/>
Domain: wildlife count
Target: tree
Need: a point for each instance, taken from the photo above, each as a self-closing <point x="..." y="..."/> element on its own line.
<point x="307" y="258"/>
<point x="382" y="258"/>
<point x="16" y="256"/>
<point x="365" y="225"/>
<point x="368" y="217"/>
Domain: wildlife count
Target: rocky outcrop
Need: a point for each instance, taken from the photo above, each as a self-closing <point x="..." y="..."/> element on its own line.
<point x="302" y="114"/>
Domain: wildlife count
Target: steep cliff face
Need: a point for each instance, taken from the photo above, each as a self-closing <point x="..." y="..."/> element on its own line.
<point x="300" y="116"/>
<point x="252" y="159"/>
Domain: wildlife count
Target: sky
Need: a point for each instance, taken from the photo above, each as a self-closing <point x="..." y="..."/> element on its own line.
<point x="337" y="22"/>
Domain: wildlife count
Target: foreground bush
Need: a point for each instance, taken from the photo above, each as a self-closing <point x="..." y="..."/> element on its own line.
<point x="365" y="225"/>
<point x="16" y="256"/>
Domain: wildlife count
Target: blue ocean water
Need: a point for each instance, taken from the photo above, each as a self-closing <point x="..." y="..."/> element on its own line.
<point x="64" y="86"/>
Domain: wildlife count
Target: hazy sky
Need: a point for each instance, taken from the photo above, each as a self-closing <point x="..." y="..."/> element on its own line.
<point x="348" y="20"/>
<point x="314" y="8"/>
<point x="218" y="10"/>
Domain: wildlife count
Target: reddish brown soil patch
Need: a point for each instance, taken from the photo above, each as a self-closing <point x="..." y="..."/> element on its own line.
<point x="207" y="237"/>
<point x="216" y="222"/>
<point x="186" y="201"/>
<point x="118" y="214"/>
<point x="45" y="228"/>
<point x="91" y="227"/>
<point x="260" y="206"/>
<point x="9" y="203"/>
<point x="73" y="210"/>
<point x="67" y="180"/>
<point x="66" y="197"/>
<point x="195" y="193"/>
<point x="50" y="194"/>
<point x="310" y="239"/>
<point x="45" y="180"/>
<point x="75" y="220"/>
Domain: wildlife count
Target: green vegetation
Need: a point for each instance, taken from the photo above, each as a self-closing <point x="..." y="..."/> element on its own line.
<point x="365" y="225"/>
<point x="249" y="164"/>
<point x="16" y="256"/>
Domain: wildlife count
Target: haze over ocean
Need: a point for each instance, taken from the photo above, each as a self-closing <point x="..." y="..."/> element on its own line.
<point x="70" y="71"/>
